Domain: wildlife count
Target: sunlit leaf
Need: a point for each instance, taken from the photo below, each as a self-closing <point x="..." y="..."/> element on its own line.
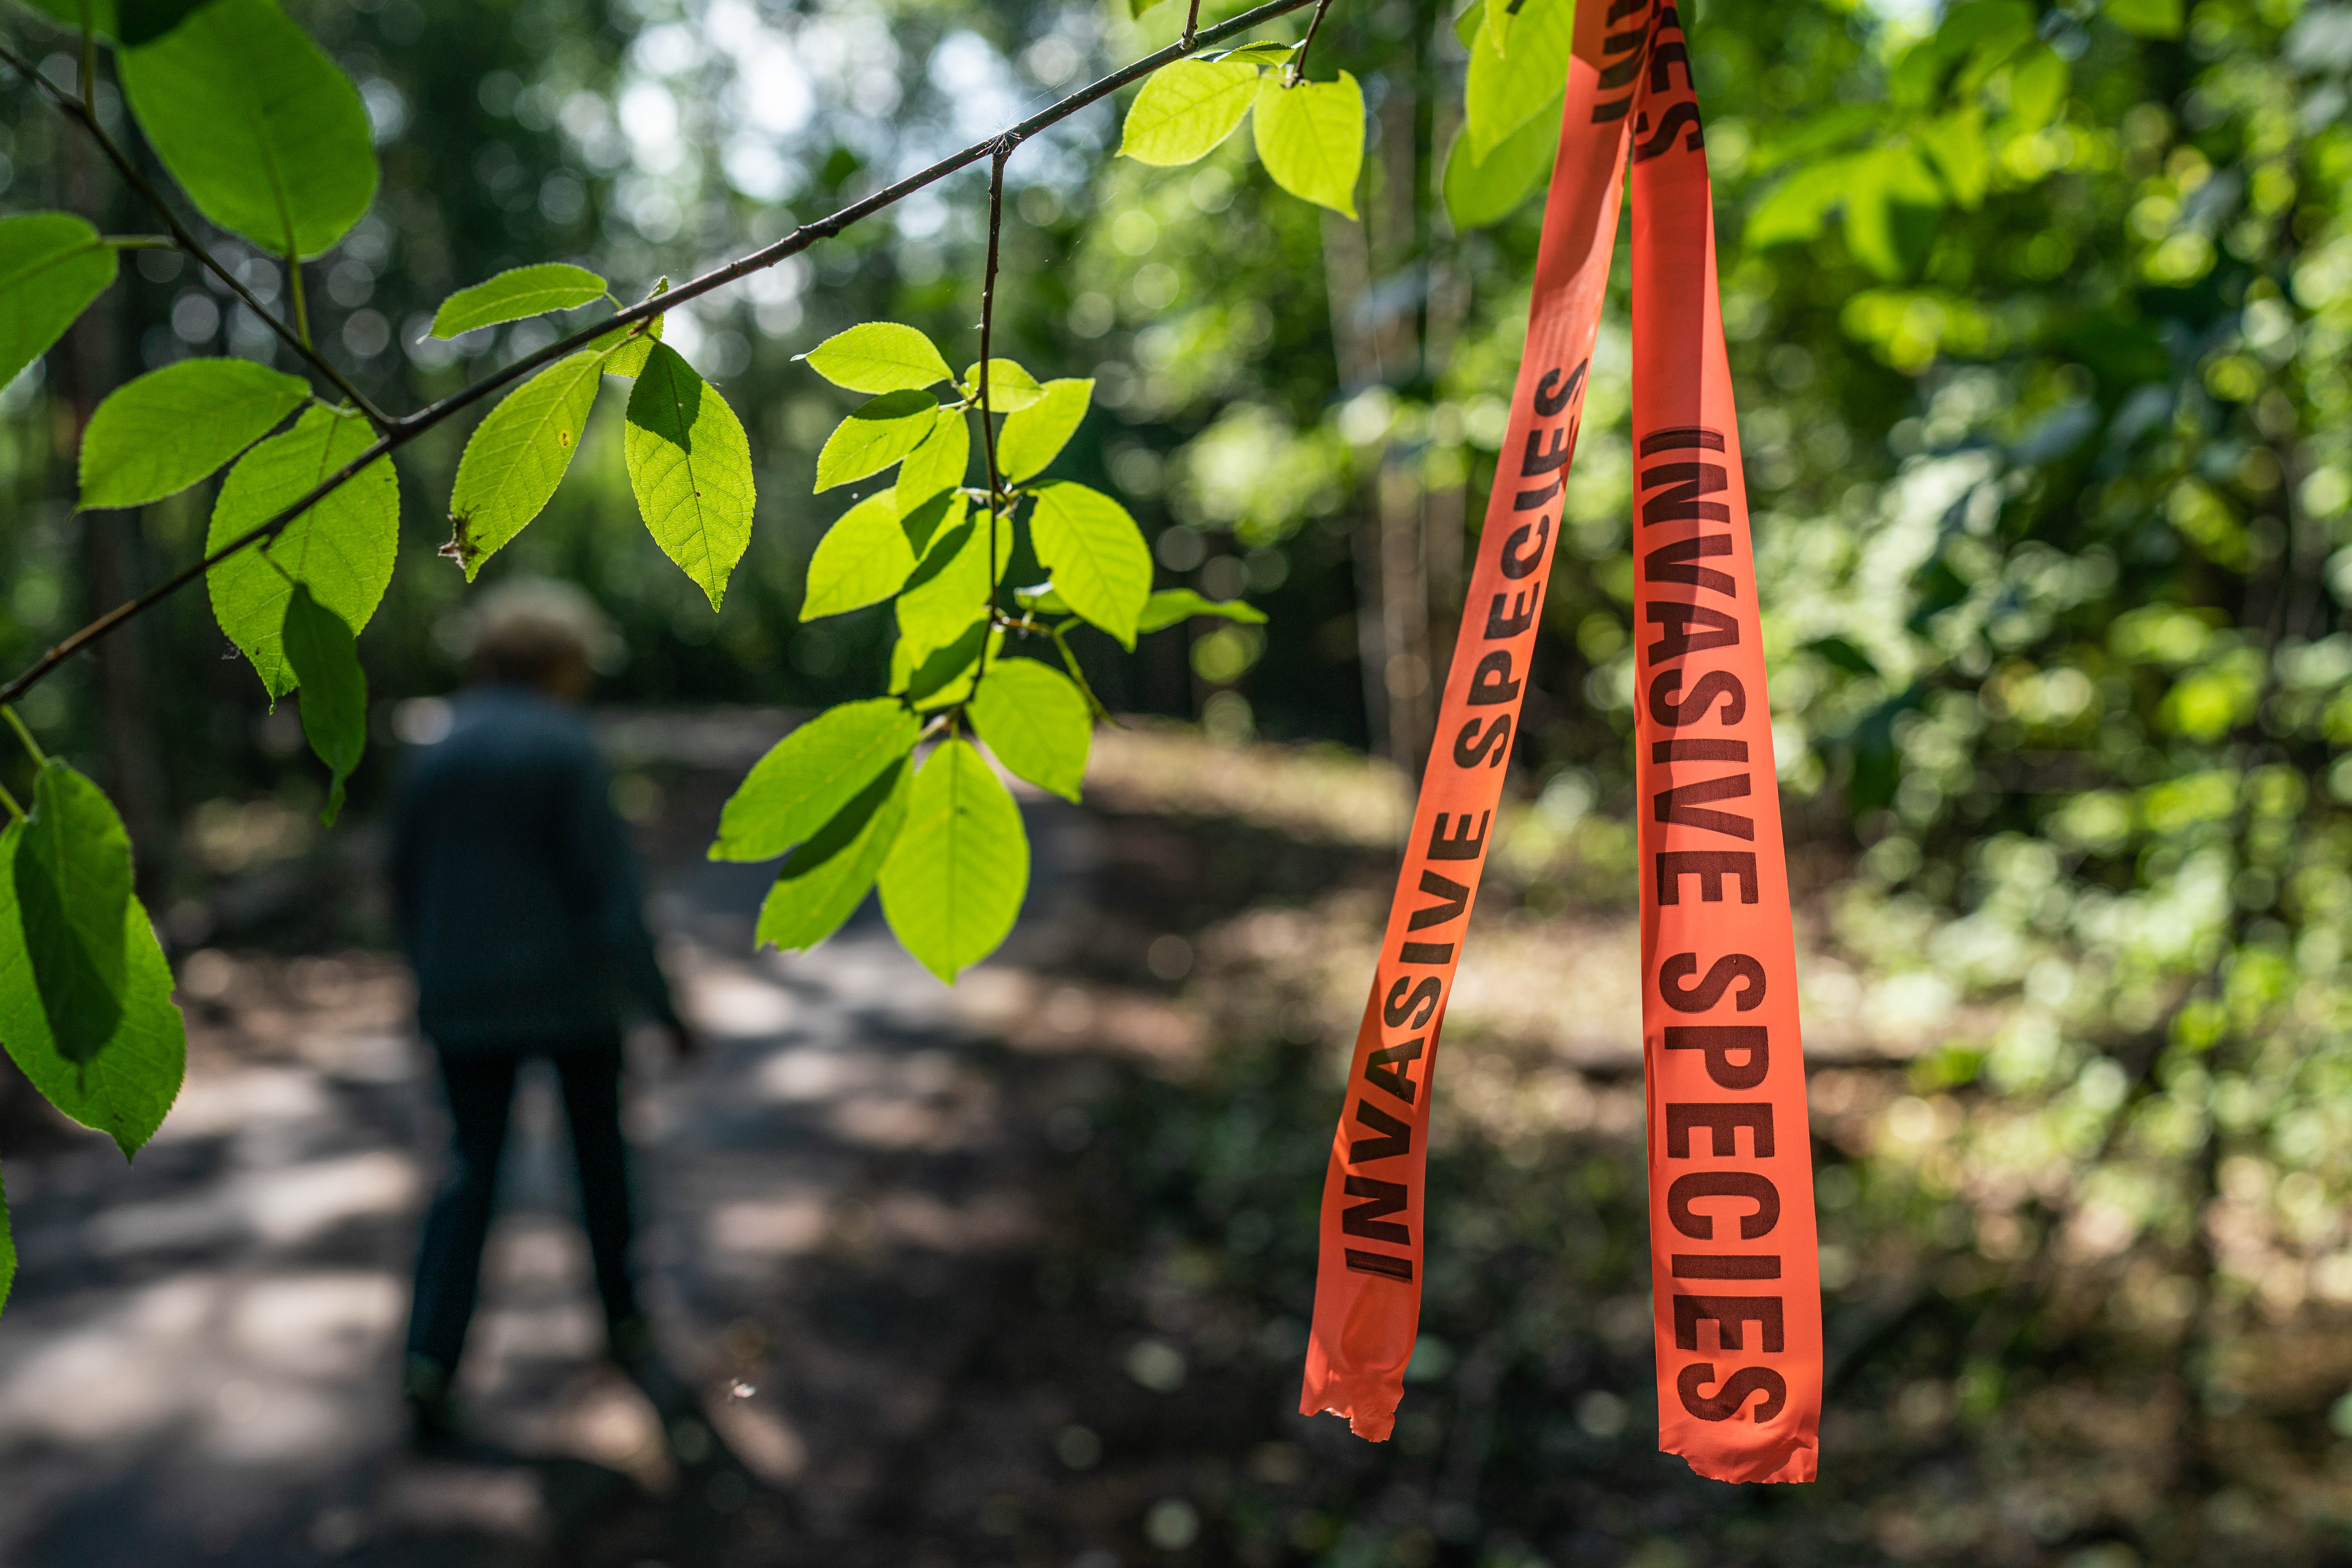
<point x="690" y="465"/>
<point x="72" y="879"/>
<point x="263" y="131"/>
<point x="2037" y="87"/>
<point x="1505" y="91"/>
<point x="950" y="589"/>
<point x="52" y="265"/>
<point x="1099" y="561"/>
<point x="1956" y="143"/>
<point x="1498" y="19"/>
<point x="863" y="559"/>
<point x="1311" y="138"/>
<point x="332" y="691"/>
<point x="343" y="548"/>
<point x="1480" y="191"/>
<point x="1170" y="605"/>
<point x="1034" y="436"/>
<point x="1009" y="387"/>
<point x="1882" y="188"/>
<point x="158" y="434"/>
<point x="809" y="775"/>
<point x="876" y="434"/>
<point x="121" y="1080"/>
<point x="1799" y="206"/>
<point x="1186" y="108"/>
<point x="954" y="883"/>
<point x="517" y="457"/>
<point x="879" y="356"/>
<point x="1263" y="52"/>
<point x="515" y="293"/>
<point x="1036" y="721"/>
<point x="2149" y="18"/>
<point x="827" y="877"/>
<point x="946" y="674"/>
<point x="939" y="465"/>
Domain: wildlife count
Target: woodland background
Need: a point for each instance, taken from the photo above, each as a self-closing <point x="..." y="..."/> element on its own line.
<point x="2052" y="472"/>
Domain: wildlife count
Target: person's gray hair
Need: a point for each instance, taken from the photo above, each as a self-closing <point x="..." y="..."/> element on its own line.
<point x="526" y="629"/>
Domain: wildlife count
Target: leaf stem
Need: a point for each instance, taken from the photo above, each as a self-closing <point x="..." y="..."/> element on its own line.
<point x="140" y="242"/>
<point x="301" y="310"/>
<point x="79" y="111"/>
<point x="10" y="801"/>
<point x="398" y="432"/>
<point x="40" y="757"/>
<point x="1298" y="60"/>
<point x="1070" y="661"/>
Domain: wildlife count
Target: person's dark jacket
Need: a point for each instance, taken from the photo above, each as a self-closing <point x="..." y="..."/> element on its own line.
<point x="519" y="897"/>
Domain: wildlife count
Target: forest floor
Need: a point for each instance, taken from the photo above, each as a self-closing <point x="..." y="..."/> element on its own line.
<point x="1018" y="1273"/>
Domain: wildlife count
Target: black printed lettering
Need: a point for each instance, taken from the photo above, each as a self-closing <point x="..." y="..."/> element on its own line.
<point x="1729" y="1313"/>
<point x="1384" y="1067"/>
<point x="1727" y="1266"/>
<point x="1686" y="482"/>
<point x="1698" y="998"/>
<point x="1364" y="1219"/>
<point x="1722" y="1119"/>
<point x="1710" y="867"/>
<point x="1417" y="1001"/>
<point x="1663" y="58"/>
<point x="1549" y="401"/>
<point x="1538" y="459"/>
<point x="1662" y="139"/>
<point x="1677" y="562"/>
<point x="1698" y="751"/>
<point x="1472" y="748"/>
<point x="1681" y="438"/>
<point x="1521" y="616"/>
<point x="1492" y="683"/>
<point x="1435" y="954"/>
<point x="1395" y="1137"/>
<point x="1725" y="1403"/>
<point x="1723" y="1185"/>
<point x="1680" y="804"/>
<point x="1461" y="843"/>
<point x="1714" y="683"/>
<point x="1386" y="1265"/>
<point x="1719" y="1041"/>
<point x="1723" y="630"/>
<point x="1455" y="896"/>
<point x="1521" y="558"/>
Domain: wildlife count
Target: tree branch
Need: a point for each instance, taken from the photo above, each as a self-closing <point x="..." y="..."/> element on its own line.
<point x="1298" y="60"/>
<point x="399" y="432"/>
<point x="988" y="426"/>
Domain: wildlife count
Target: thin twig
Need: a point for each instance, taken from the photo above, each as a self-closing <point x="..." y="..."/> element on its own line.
<point x="40" y="757"/>
<point x="1192" y="25"/>
<point x="79" y="111"/>
<point x="987" y="326"/>
<point x="1298" y="60"/>
<point x="10" y="801"/>
<point x="301" y="310"/>
<point x="400" y="432"/>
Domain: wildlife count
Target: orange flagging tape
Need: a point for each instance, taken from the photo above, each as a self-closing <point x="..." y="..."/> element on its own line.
<point x="1735" y="1279"/>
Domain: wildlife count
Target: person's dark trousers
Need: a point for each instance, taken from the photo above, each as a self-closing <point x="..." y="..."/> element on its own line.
<point x="450" y="1261"/>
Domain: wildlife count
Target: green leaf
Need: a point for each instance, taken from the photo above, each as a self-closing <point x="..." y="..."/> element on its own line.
<point x="1311" y="138"/>
<point x="140" y="20"/>
<point x="1009" y="387"/>
<point x="1264" y="52"/>
<point x="945" y="675"/>
<point x="1036" y="721"/>
<point x="517" y="457"/>
<point x="72" y="883"/>
<point x="261" y="129"/>
<point x="862" y="559"/>
<point x="810" y="774"/>
<point x="876" y="434"/>
<point x="52" y="265"/>
<point x="121" y="1080"/>
<point x="930" y="519"/>
<point x="1138" y="7"/>
<point x="879" y="356"/>
<point x="2149" y="18"/>
<point x="1880" y="186"/>
<point x="325" y="658"/>
<point x="949" y="590"/>
<point x="1098" y="556"/>
<point x="690" y="465"/>
<point x="939" y="465"/>
<point x="826" y="877"/>
<point x="2037" y="87"/>
<point x="1034" y="436"/>
<point x="1480" y="191"/>
<point x="1186" y="108"/>
<point x="1799" y="206"/>
<point x="1171" y="605"/>
<point x="343" y="548"/>
<point x="1956" y="143"/>
<point x="1497" y="20"/>
<point x="1504" y="92"/>
<point x="1469" y="22"/>
<point x="161" y="433"/>
<point x="954" y="883"/>
<point x="515" y="293"/>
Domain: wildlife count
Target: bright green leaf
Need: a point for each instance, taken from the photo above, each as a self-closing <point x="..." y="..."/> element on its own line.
<point x="1497" y="21"/>
<point x="158" y="434"/>
<point x="1504" y="92"/>
<point x="1138" y="7"/>
<point x="1956" y="142"/>
<point x="1036" y="721"/>
<point x="1034" y="436"/>
<point x="1098" y="556"/>
<point x="1480" y="191"/>
<point x="928" y="520"/>
<point x="1186" y="108"/>
<point x="876" y="434"/>
<point x="52" y="265"/>
<point x="879" y="356"/>
<point x="2037" y="87"/>
<point x="810" y="774"/>
<point x="1881" y="186"/>
<point x="72" y="881"/>
<point x="949" y="590"/>
<point x="690" y="465"/>
<point x="1171" y="605"/>
<point x="939" y="465"/>
<point x="1264" y="52"/>
<point x="826" y="878"/>
<point x="325" y="658"/>
<point x="517" y="457"/>
<point x="343" y="548"/>
<point x="1311" y="138"/>
<point x="1799" y="206"/>
<point x="945" y="675"/>
<point x="265" y="134"/>
<point x="1469" y="22"/>
<point x="515" y="293"/>
<point x="1009" y="387"/>
<point x="954" y="883"/>
<point x="122" y="1080"/>
<point x="2149" y="18"/>
<point x="862" y="559"/>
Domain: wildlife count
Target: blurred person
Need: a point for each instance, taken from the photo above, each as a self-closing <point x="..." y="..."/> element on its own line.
<point x="519" y="903"/>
